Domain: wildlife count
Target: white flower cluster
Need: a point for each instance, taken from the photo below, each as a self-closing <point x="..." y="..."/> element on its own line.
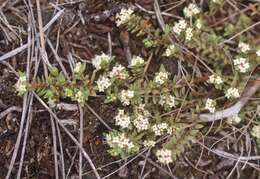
<point x="119" y="72"/>
<point x="256" y="131"/>
<point x="191" y="10"/>
<point x="210" y="105"/>
<point x="198" y="24"/>
<point x="168" y="100"/>
<point x="161" y="78"/>
<point x="137" y="61"/>
<point x="164" y="156"/>
<point x="141" y="122"/>
<point x="243" y="47"/>
<point x="170" y="130"/>
<point x="170" y="50"/>
<point x="99" y="60"/>
<point x="234" y="119"/>
<point x="179" y="26"/>
<point x="188" y="33"/>
<point x="241" y="64"/>
<point x="214" y="79"/>
<point x="79" y="97"/>
<point x="122" y="119"/>
<point x="258" y="53"/>
<point x="126" y="96"/>
<point x="124" y="16"/>
<point x="20" y="85"/>
<point x="103" y="83"/>
<point x="120" y="141"/>
<point x="232" y="93"/>
<point x="149" y="143"/>
<point x="159" y="129"/>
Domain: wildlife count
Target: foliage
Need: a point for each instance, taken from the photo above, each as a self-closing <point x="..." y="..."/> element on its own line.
<point x="147" y="105"/>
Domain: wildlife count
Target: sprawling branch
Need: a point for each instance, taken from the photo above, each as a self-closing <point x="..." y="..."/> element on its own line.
<point x="249" y="91"/>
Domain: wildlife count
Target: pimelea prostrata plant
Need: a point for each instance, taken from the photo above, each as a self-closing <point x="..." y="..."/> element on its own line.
<point x="151" y="109"/>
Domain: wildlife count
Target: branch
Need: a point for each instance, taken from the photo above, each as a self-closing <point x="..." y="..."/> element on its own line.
<point x="249" y="91"/>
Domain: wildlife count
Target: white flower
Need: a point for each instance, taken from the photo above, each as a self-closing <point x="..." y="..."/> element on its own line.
<point x="161" y="78"/>
<point x="122" y="119"/>
<point x="137" y="61"/>
<point x="170" y="130"/>
<point x="243" y="47"/>
<point x="119" y="72"/>
<point x="20" y="85"/>
<point x="171" y="101"/>
<point x="99" y="60"/>
<point x="210" y="105"/>
<point x="120" y="141"/>
<point x="191" y="10"/>
<point x="179" y="26"/>
<point x="124" y="16"/>
<point x="168" y="100"/>
<point x="164" y="156"/>
<point x="103" y="83"/>
<point x="188" y="33"/>
<point x="158" y="129"/>
<point x="126" y="96"/>
<point x="232" y="93"/>
<point x="258" y="53"/>
<point x="241" y="64"/>
<point x="234" y="119"/>
<point x="256" y="131"/>
<point x="213" y="79"/>
<point x="141" y="122"/>
<point x="170" y="50"/>
<point x="79" y="97"/>
<point x="149" y="143"/>
<point x="199" y="24"/>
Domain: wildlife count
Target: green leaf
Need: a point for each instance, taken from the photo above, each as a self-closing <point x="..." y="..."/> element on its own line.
<point x="167" y="30"/>
<point x="61" y="78"/>
<point x="54" y="71"/>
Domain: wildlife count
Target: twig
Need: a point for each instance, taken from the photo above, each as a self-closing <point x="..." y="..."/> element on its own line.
<point x="19" y="137"/>
<point x="157" y="166"/>
<point x="152" y="12"/>
<point x="70" y="135"/>
<point x="42" y="41"/>
<point x="158" y="14"/>
<point x="140" y="154"/>
<point x="80" y="139"/>
<point x="235" y="109"/>
<point x="99" y="118"/>
<point x="145" y="161"/>
<point x="239" y="33"/>
<point x="9" y="110"/>
<point x="72" y="163"/>
<point x="67" y="107"/>
<point x="54" y="147"/>
<point x="26" y="132"/>
<point x="23" y="47"/>
<point x="61" y="151"/>
<point x="58" y="59"/>
<point x="109" y="43"/>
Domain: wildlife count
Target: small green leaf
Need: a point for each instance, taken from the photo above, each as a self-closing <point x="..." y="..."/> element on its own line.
<point x="61" y="78"/>
<point x="54" y="71"/>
